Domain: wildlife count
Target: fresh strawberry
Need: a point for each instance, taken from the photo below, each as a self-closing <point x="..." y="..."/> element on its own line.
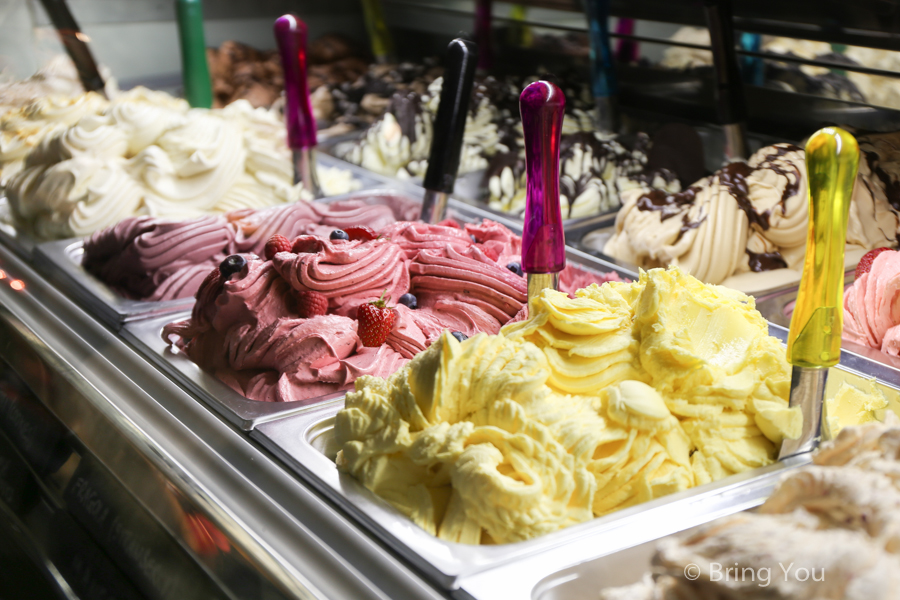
<point x="306" y="244"/>
<point x="311" y="304"/>
<point x="277" y="243"/>
<point x="865" y="264"/>
<point x="360" y="232"/>
<point x="376" y="319"/>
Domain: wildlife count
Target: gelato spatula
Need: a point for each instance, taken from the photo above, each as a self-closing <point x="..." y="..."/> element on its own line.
<point x="290" y="34"/>
<point x="483" y="15"/>
<point x="75" y="43"/>
<point x="603" y="72"/>
<point x="379" y="36"/>
<point x="449" y="127"/>
<point x="814" y="342"/>
<point x="730" y="102"/>
<point x="194" y="68"/>
<point x="542" y="106"/>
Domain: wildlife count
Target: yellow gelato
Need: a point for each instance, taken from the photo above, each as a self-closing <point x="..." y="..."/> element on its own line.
<point x="853" y="404"/>
<point x="628" y="392"/>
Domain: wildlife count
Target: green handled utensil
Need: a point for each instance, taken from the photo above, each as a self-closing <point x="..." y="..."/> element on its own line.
<point x="814" y="342"/>
<point x="194" y="69"/>
<point x="382" y="44"/>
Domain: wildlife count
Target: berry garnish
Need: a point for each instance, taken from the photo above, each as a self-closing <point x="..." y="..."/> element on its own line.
<point x="516" y="268"/>
<point x="865" y="264"/>
<point x="277" y="243"/>
<point x="338" y="234"/>
<point x="311" y="304"/>
<point x="231" y="265"/>
<point x="306" y="245"/>
<point x="408" y="300"/>
<point x="376" y="320"/>
<point x="459" y="335"/>
<point x="359" y="232"/>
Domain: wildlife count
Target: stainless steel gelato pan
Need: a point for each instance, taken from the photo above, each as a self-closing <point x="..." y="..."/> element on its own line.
<point x="146" y="337"/>
<point x="21" y="244"/>
<point x="61" y="262"/>
<point x="306" y="444"/>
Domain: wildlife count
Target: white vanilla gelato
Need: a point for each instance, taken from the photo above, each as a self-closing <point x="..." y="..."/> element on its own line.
<point x="144" y="153"/>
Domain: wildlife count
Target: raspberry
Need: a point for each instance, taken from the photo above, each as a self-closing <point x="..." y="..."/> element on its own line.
<point x="277" y="243"/>
<point x="306" y="244"/>
<point x="311" y="304"/>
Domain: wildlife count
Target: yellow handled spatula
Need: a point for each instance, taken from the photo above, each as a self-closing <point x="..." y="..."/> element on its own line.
<point x="814" y="342"/>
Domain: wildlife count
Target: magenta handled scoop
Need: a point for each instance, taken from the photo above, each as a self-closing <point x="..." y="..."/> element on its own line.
<point x="290" y="34"/>
<point x="542" y="106"/>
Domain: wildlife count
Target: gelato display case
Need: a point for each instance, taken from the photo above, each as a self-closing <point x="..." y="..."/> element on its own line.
<point x="128" y="470"/>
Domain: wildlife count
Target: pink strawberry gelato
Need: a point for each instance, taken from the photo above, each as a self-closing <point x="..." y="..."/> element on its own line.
<point x="872" y="306"/>
<point x="156" y="259"/>
<point x="146" y="258"/>
<point x="249" y="332"/>
<point x="347" y="273"/>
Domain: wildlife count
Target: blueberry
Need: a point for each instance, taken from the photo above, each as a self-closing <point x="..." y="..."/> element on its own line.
<point x="515" y="268"/>
<point x="408" y="300"/>
<point x="231" y="265"/>
<point x="459" y="335"/>
<point x="339" y="234"/>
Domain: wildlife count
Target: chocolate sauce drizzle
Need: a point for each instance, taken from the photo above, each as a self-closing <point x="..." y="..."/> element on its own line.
<point x="669" y="205"/>
<point x="405" y="108"/>
<point x="732" y="177"/>
<point x="891" y="186"/>
<point x="766" y="261"/>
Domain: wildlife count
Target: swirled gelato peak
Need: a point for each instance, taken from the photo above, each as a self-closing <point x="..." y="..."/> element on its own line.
<point x="624" y="393"/>
<point x="287" y="326"/>
<point x="872" y="304"/>
<point x="144" y="153"/>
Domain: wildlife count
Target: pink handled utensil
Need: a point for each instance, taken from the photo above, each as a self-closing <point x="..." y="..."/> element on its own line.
<point x="542" y="106"/>
<point x="290" y="34"/>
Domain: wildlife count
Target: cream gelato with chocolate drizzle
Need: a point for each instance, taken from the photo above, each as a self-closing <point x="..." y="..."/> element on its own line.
<point x="745" y="225"/>
<point x="594" y="171"/>
<point x="727" y="228"/>
<point x="398" y="144"/>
